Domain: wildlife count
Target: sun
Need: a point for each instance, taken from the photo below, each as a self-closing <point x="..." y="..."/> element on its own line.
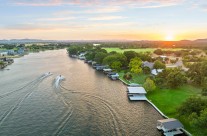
<point x="169" y="38"/>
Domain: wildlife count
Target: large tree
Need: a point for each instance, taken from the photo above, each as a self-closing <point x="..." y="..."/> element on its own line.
<point x="159" y="65"/>
<point x="149" y="85"/>
<point x="176" y="78"/>
<point x="73" y="50"/>
<point x="135" y="65"/>
<point x="116" y="65"/>
<point x="130" y="55"/>
<point x="99" y="57"/>
<point x="198" y="73"/>
<point x="158" y="52"/>
<point x="115" y="57"/>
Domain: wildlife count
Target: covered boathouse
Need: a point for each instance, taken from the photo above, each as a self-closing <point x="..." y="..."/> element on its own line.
<point x="170" y="127"/>
<point x="136" y="93"/>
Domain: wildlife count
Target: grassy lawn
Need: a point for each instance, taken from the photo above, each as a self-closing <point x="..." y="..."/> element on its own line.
<point x="168" y="100"/>
<point x="136" y="78"/>
<point x="137" y="50"/>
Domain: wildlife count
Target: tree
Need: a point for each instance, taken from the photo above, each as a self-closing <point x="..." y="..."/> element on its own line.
<point x="159" y="65"/>
<point x="149" y="85"/>
<point x="73" y="50"/>
<point x="115" y="57"/>
<point x="127" y="76"/>
<point x="176" y="78"/>
<point x="90" y="56"/>
<point x="204" y="91"/>
<point x="158" y="52"/>
<point x="99" y="57"/>
<point x="135" y="65"/>
<point x="200" y="122"/>
<point x="197" y="73"/>
<point x="192" y="105"/>
<point x="146" y="70"/>
<point x="129" y="55"/>
<point x="116" y="65"/>
<point x="194" y="111"/>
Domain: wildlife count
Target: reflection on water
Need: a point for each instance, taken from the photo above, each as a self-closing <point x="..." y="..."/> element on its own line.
<point x="85" y="103"/>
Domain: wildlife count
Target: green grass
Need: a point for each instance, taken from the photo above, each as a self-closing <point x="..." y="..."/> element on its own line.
<point x="136" y="78"/>
<point x="168" y="100"/>
<point x="138" y="50"/>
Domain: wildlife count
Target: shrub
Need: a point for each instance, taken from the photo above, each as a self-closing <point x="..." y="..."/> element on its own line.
<point x="127" y="76"/>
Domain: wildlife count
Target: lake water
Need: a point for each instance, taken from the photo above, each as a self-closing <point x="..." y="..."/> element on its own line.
<point x="86" y="103"/>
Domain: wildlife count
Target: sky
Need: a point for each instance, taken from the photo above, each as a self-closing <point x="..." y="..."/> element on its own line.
<point x="103" y="19"/>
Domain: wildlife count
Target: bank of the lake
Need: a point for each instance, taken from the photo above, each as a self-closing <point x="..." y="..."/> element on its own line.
<point x="87" y="102"/>
<point x="167" y="100"/>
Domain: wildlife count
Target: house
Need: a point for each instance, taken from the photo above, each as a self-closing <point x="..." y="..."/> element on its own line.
<point x="163" y="57"/>
<point x="170" y="127"/>
<point x="148" y="64"/>
<point x="136" y="93"/>
<point x="156" y="71"/>
<point x="20" y="50"/>
<point x="99" y="68"/>
<point x="113" y="75"/>
<point x="11" y="52"/>
<point x="3" y="52"/>
<point x="107" y="70"/>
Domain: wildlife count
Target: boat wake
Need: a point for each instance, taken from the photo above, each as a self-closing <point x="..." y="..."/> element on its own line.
<point x="45" y="75"/>
<point x="98" y="104"/>
<point x="58" y="79"/>
<point x="28" y="88"/>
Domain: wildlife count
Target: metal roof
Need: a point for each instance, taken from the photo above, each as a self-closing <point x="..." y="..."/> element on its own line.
<point x="136" y="90"/>
<point x="170" y="123"/>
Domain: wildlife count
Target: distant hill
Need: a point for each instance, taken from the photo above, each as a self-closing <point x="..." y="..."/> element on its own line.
<point x="26" y="41"/>
<point x="201" y="40"/>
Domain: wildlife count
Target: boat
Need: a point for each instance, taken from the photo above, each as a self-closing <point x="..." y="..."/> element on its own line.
<point x="48" y="74"/>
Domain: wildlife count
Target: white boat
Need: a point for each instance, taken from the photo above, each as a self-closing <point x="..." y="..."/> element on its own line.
<point x="48" y="74"/>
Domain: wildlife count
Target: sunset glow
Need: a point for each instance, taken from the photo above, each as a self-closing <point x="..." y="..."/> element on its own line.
<point x="169" y="38"/>
<point x="103" y="20"/>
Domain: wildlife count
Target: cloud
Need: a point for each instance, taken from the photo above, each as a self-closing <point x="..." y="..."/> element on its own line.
<point x="56" y="19"/>
<point x="102" y="18"/>
<point x="92" y="3"/>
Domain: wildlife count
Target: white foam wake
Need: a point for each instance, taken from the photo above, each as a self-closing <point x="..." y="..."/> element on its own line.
<point x="58" y="79"/>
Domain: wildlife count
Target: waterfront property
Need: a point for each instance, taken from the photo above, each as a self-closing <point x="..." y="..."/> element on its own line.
<point x="107" y="70"/>
<point x="148" y="64"/>
<point x="113" y="75"/>
<point x="3" y="53"/>
<point x="99" y="68"/>
<point x="136" y="93"/>
<point x="170" y="127"/>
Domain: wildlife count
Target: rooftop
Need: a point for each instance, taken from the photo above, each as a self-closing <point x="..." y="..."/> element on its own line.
<point x="170" y="123"/>
<point x="136" y="90"/>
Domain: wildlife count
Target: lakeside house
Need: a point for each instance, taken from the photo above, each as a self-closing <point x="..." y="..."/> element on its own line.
<point x="4" y="62"/>
<point x="107" y="70"/>
<point x="170" y="127"/>
<point x="113" y="75"/>
<point x="20" y="50"/>
<point x="3" y="52"/>
<point x="101" y="67"/>
<point x="148" y="64"/>
<point x="136" y="93"/>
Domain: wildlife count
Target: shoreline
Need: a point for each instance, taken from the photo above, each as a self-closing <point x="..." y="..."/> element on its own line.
<point x="157" y="109"/>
